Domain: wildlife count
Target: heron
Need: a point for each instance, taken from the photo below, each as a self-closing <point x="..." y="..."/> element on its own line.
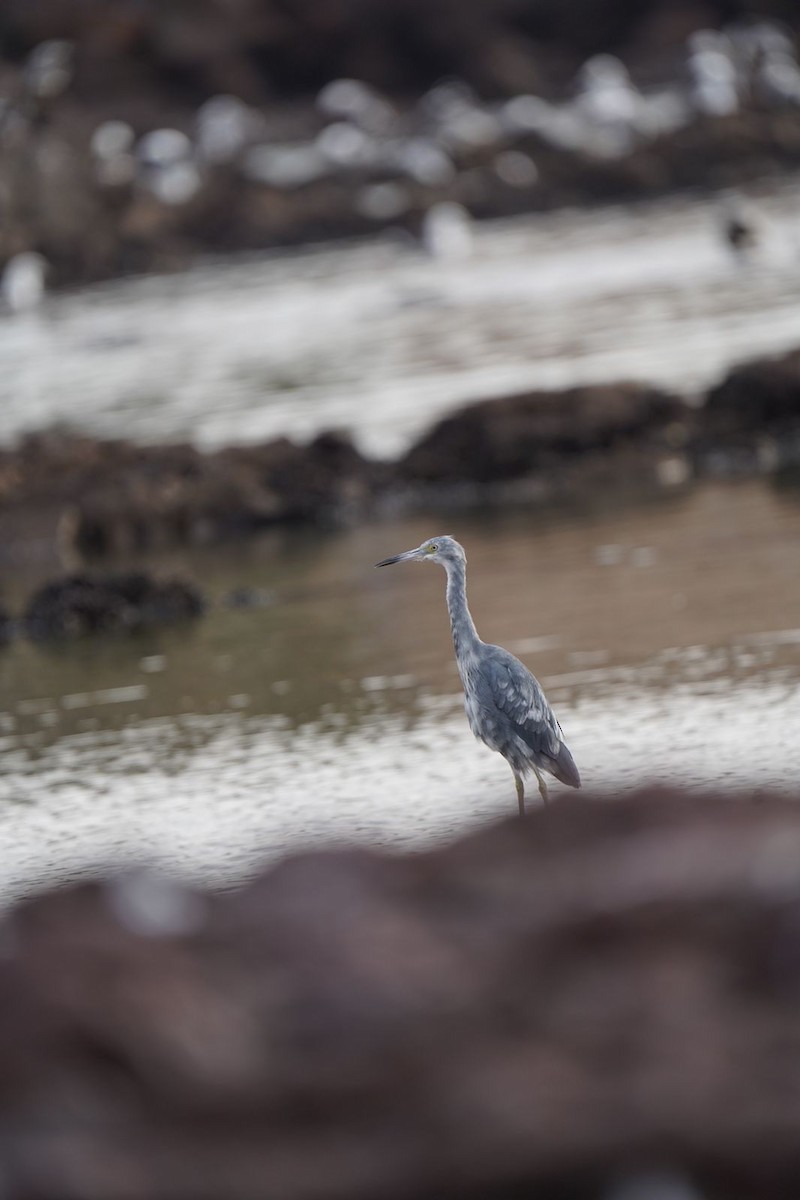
<point x="506" y="707"/>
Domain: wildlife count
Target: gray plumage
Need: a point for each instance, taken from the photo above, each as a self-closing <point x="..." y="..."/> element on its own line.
<point x="506" y="707"/>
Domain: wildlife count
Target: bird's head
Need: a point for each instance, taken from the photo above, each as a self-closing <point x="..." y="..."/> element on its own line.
<point x="442" y="549"/>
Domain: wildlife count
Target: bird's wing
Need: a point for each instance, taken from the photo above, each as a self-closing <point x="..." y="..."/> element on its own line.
<point x="513" y="700"/>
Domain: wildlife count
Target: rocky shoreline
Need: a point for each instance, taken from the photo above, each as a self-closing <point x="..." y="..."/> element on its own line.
<point x="81" y="503"/>
<point x="137" y="136"/>
<point x="78" y="496"/>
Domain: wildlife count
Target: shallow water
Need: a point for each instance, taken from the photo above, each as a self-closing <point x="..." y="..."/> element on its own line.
<point x="667" y="637"/>
<point x="379" y="339"/>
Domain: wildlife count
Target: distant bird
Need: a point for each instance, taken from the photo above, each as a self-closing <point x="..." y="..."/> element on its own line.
<point x="22" y="283"/>
<point x="506" y="707"/>
<point x="738" y="234"/>
<point x="447" y="232"/>
<point x="739" y="227"/>
<point x="714" y="88"/>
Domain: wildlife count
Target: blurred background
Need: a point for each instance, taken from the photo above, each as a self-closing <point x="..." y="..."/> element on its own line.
<point x="287" y="288"/>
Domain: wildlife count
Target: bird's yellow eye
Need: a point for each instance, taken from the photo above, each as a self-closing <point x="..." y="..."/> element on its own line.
<point x="431" y="547"/>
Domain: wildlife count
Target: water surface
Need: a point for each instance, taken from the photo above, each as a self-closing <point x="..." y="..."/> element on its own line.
<point x="378" y="339"/>
<point x="666" y="634"/>
<point x="667" y="637"/>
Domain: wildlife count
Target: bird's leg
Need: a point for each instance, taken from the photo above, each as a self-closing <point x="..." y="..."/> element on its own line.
<point x="542" y="786"/>
<point x="520" y="793"/>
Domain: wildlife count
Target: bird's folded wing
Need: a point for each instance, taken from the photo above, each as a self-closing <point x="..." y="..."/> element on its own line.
<point x="507" y="686"/>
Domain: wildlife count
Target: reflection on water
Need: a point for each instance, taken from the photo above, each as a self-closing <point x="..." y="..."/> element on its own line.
<point x="379" y="339"/>
<point x="667" y="639"/>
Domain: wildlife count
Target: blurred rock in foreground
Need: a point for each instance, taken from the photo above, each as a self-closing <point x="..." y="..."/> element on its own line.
<point x="606" y="993"/>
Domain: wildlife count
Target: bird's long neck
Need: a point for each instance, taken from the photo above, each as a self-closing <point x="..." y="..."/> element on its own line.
<point x="465" y="635"/>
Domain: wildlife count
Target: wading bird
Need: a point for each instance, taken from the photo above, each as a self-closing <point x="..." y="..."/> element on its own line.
<point x="506" y="707"/>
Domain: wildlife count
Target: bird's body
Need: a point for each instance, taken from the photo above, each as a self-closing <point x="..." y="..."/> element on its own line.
<point x="506" y="707"/>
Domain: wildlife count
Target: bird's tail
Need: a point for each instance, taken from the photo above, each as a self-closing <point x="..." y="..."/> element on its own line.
<point x="564" y="767"/>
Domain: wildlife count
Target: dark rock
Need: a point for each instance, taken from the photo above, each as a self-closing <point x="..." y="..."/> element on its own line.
<point x="607" y="990"/>
<point x="750" y="423"/>
<point x="325" y="482"/>
<point x="520" y="435"/>
<point x="87" y="604"/>
<point x="120" y="497"/>
<point x="762" y="396"/>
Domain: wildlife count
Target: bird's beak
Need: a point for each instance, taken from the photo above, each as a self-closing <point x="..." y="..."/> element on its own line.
<point x="408" y="554"/>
